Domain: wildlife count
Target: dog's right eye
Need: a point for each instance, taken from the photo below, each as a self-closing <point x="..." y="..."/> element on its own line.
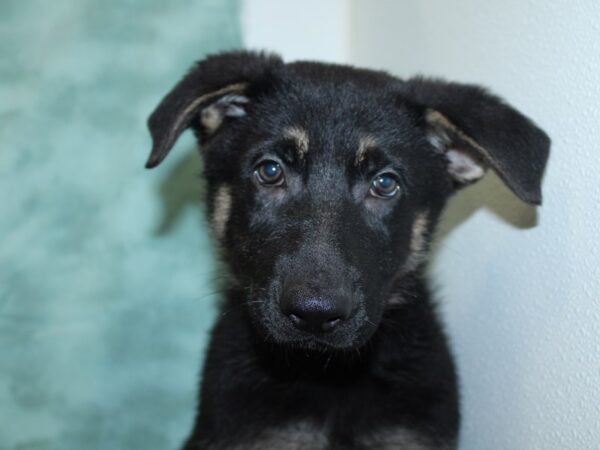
<point x="384" y="186"/>
<point x="269" y="173"/>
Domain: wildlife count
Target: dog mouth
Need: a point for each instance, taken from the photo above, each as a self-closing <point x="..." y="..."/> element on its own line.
<point x="275" y="327"/>
<point x="319" y="313"/>
<point x="318" y="344"/>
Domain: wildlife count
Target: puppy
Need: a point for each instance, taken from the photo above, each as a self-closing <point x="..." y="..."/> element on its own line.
<point x="324" y="185"/>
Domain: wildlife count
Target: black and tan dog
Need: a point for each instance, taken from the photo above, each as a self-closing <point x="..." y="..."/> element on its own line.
<point x="324" y="185"/>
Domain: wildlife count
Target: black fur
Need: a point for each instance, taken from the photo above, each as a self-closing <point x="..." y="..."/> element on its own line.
<point x="383" y="377"/>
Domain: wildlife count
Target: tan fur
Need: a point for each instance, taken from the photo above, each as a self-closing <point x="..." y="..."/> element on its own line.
<point x="307" y="436"/>
<point x="221" y="211"/>
<point x="300" y="136"/>
<point x="419" y="228"/>
<point x="211" y="119"/>
<point x="213" y="115"/>
<point x="437" y="118"/>
<point x="237" y="87"/>
<point x="365" y="143"/>
<point x="417" y="252"/>
<point x="418" y="241"/>
<point x="298" y="436"/>
<point x="398" y="438"/>
<point x="465" y="166"/>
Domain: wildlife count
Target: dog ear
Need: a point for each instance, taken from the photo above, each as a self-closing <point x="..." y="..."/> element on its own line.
<point x="477" y="130"/>
<point x="214" y="89"/>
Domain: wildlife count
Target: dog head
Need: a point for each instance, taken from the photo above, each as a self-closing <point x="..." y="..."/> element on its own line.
<point x="325" y="181"/>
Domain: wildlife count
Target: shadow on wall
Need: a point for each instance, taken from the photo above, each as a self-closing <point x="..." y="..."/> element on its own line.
<point x="491" y="194"/>
<point x="178" y="191"/>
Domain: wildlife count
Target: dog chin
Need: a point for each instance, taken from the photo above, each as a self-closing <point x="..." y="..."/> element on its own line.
<point x="320" y="345"/>
<point x="323" y="343"/>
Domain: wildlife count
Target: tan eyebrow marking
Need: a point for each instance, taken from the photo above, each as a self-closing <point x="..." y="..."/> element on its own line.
<point x="364" y="145"/>
<point x="300" y="136"/>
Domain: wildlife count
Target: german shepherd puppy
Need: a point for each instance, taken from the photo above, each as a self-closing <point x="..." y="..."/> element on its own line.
<point x="324" y="185"/>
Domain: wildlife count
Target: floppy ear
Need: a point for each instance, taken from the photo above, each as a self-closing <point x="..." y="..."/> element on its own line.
<point x="214" y="89"/>
<point x="477" y="130"/>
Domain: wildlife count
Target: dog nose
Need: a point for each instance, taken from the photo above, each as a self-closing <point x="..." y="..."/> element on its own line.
<point x="314" y="312"/>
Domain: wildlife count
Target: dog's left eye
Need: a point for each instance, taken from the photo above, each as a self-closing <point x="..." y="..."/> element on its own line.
<point x="269" y="173"/>
<point x="384" y="186"/>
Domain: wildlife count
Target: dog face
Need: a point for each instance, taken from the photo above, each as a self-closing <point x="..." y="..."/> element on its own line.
<point x="326" y="205"/>
<point x="325" y="182"/>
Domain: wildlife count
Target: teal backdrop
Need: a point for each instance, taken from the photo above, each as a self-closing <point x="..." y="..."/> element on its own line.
<point x="107" y="278"/>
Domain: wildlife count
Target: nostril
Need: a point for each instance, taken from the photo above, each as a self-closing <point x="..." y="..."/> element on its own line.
<point x="322" y="324"/>
<point x="297" y="320"/>
<point x="314" y="313"/>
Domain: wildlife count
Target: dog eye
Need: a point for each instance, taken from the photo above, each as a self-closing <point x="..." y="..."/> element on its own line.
<point x="269" y="173"/>
<point x="384" y="186"/>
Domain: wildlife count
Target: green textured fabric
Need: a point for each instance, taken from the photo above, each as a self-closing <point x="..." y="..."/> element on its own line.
<point x="106" y="271"/>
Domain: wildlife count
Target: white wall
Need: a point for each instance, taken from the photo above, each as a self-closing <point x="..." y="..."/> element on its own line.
<point x="306" y="29"/>
<point x="520" y="297"/>
<point x="518" y="286"/>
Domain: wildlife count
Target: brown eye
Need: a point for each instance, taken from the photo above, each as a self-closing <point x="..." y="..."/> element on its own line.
<point x="269" y="173"/>
<point x="384" y="186"/>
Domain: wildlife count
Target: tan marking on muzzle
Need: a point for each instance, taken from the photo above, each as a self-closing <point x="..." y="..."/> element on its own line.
<point x="364" y="145"/>
<point x="221" y="211"/>
<point x="300" y="137"/>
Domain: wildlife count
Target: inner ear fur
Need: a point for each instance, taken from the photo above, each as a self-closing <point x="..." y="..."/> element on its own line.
<point x="219" y="84"/>
<point x="466" y="158"/>
<point x="484" y="131"/>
